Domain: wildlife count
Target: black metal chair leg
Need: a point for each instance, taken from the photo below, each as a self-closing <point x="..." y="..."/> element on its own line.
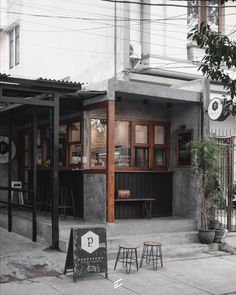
<point x="136" y="258"/>
<point x="142" y="256"/>
<point x="160" y="252"/>
<point x="117" y="257"/>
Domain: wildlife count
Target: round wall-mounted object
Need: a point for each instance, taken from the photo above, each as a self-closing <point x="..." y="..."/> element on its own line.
<point x="216" y="111"/>
<point x="4" y="149"/>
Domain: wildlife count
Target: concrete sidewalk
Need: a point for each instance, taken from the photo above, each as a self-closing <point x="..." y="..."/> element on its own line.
<point x="27" y="268"/>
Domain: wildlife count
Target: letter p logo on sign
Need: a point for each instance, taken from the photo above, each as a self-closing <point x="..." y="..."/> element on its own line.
<point x="90" y="242"/>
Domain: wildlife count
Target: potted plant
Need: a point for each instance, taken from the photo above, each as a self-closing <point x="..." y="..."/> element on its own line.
<point x="205" y="171"/>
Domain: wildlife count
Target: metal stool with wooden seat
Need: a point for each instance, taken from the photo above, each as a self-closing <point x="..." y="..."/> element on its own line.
<point x="151" y="252"/>
<point x="127" y="255"/>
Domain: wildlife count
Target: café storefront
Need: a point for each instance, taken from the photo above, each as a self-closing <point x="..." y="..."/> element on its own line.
<point x="125" y="136"/>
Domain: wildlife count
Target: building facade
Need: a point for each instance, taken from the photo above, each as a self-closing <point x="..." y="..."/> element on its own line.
<point x="149" y="99"/>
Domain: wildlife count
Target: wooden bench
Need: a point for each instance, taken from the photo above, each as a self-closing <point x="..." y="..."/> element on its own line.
<point x="146" y="203"/>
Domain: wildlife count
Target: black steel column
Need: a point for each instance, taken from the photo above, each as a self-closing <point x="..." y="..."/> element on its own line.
<point x="9" y="173"/>
<point x="34" y="174"/>
<point x="54" y="120"/>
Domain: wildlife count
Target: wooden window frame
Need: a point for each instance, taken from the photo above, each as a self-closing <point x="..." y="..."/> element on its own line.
<point x="177" y="147"/>
<point x="70" y="142"/>
<point x="165" y="146"/>
<point x="90" y="130"/>
<point x="130" y="140"/>
<point x="150" y="145"/>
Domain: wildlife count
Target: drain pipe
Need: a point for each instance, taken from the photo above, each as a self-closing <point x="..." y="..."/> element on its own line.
<point x="202" y="121"/>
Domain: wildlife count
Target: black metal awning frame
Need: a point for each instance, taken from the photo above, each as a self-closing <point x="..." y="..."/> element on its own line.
<point x="46" y="100"/>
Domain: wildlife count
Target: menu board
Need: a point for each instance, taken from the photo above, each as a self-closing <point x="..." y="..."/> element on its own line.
<point x="87" y="252"/>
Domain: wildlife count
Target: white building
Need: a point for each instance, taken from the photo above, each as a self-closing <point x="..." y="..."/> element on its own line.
<point x="93" y="40"/>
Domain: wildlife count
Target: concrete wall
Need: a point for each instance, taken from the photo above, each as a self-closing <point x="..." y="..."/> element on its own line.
<point x="95" y="197"/>
<point x="186" y="201"/>
<point x="135" y="110"/>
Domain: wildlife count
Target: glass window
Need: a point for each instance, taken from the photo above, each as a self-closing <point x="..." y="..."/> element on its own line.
<point x="17" y="45"/>
<point x="75" y="132"/>
<point x="11" y="49"/>
<point x="213" y="15"/>
<point x="38" y="137"/>
<point x="75" y="154"/>
<point x="39" y="156"/>
<point x="26" y="143"/>
<point x="98" y="142"/>
<point x="159" y="135"/>
<point x="159" y="157"/>
<point x="183" y="155"/>
<point x="141" y="134"/>
<point x="63" y="129"/>
<point x="122" y="144"/>
<point x="141" y="157"/>
<point x="192" y="17"/>
<point x="27" y="159"/>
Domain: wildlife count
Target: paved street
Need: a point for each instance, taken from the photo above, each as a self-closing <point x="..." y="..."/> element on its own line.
<point x="27" y="268"/>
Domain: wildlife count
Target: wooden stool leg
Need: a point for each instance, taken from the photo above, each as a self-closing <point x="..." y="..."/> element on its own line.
<point x="117" y="257"/>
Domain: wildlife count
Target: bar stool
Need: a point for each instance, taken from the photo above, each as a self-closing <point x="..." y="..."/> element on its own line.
<point x="41" y="198"/>
<point x="41" y="201"/>
<point x="127" y="255"/>
<point x="151" y="252"/>
<point x="65" y="195"/>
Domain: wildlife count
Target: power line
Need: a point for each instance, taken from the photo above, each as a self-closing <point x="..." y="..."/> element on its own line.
<point x="164" y="4"/>
<point x="85" y="18"/>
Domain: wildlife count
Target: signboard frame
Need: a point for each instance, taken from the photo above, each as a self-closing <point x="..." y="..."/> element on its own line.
<point x="83" y="256"/>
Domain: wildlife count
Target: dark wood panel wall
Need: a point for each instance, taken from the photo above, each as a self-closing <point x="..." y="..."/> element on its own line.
<point x="144" y="185"/>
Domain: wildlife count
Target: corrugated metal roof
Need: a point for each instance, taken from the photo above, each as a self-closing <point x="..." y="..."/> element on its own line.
<point x="41" y="79"/>
<point x="59" y="81"/>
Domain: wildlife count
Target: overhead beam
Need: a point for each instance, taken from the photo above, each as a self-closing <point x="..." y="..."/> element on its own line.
<point x="24" y="101"/>
<point x="157" y="91"/>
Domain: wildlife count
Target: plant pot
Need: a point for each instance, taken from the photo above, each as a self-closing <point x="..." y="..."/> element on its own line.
<point x="214" y="224"/>
<point x="206" y="236"/>
<point x="219" y="235"/>
<point x="221" y="225"/>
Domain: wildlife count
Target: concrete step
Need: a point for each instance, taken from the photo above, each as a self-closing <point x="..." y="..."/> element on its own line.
<point x="179" y="238"/>
<point x="174" y="250"/>
<point x="163" y="238"/>
<point x="153" y="226"/>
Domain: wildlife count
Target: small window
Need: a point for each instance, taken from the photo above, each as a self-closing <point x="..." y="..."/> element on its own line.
<point x="183" y="155"/>
<point x="75" y="147"/>
<point x="17" y="45"/>
<point x="141" y="157"/>
<point x="159" y="135"/>
<point x="141" y="134"/>
<point x="11" y="49"/>
<point x="122" y="144"/>
<point x="14" y="47"/>
<point x="159" y="157"/>
<point x="98" y="143"/>
<point x="75" y="154"/>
